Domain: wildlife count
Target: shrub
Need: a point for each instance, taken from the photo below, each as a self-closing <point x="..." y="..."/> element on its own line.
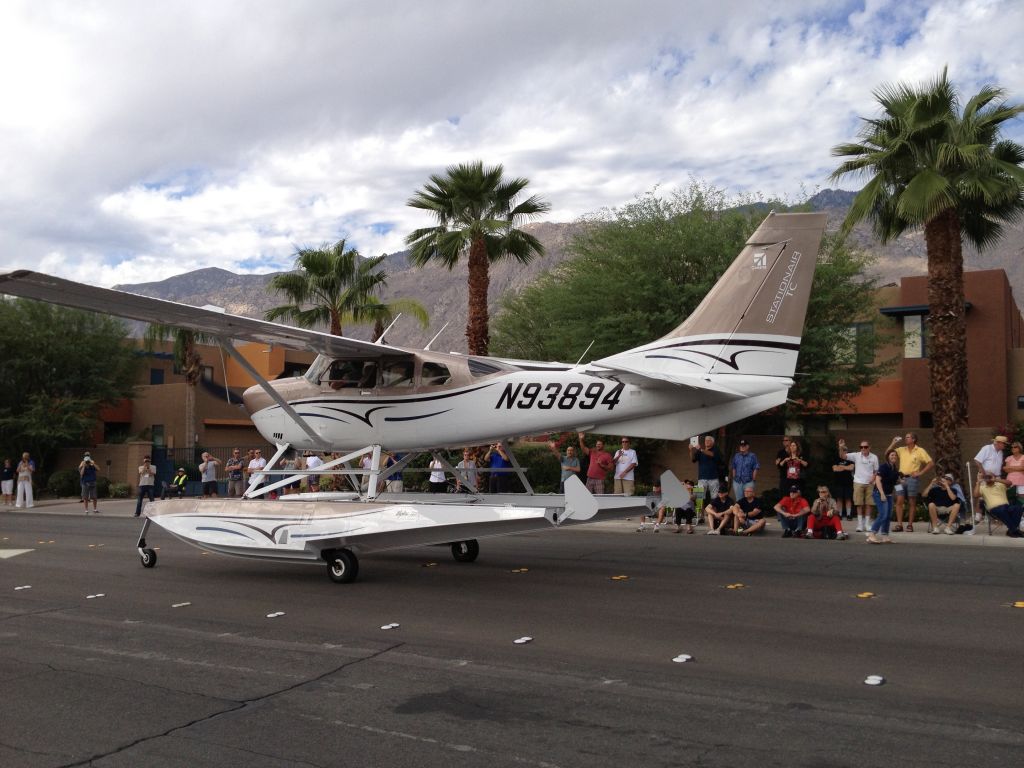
<point x="119" y="490"/>
<point x="64" y="482"/>
<point x="102" y="487"/>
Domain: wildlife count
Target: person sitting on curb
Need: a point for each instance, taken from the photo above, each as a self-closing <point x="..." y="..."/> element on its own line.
<point x="718" y="512"/>
<point x="176" y="488"/>
<point x="824" y="521"/>
<point x="747" y="514"/>
<point x="993" y="490"/>
<point x="943" y="500"/>
<point x="791" y="512"/>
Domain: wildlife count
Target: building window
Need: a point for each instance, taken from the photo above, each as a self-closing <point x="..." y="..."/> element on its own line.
<point x="207" y="373"/>
<point x="854" y="345"/>
<point x="158" y="435"/>
<point x="156" y="375"/>
<point x="915" y="337"/>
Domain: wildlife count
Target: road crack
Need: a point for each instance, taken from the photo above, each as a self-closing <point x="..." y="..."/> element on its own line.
<point x="239" y="706"/>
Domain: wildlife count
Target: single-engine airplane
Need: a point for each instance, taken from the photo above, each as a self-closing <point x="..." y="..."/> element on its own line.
<point x="733" y="357"/>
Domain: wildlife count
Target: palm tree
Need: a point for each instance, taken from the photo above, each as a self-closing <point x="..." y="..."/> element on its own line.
<point x="477" y="215"/>
<point x="189" y="362"/>
<point x="948" y="171"/>
<point x="332" y="286"/>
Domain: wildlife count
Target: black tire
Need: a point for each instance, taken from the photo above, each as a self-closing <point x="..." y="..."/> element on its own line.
<point x="342" y="566"/>
<point x="148" y="558"/>
<point x="465" y="551"/>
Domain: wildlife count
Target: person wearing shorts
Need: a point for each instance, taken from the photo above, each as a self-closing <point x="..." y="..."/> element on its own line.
<point x="748" y="514"/>
<point x="7" y="482"/>
<point x="87" y="471"/>
<point x="208" y="468"/>
<point x="865" y="467"/>
<point x="914" y="462"/>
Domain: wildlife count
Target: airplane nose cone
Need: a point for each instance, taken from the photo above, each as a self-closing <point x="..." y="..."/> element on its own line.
<point x="255" y="399"/>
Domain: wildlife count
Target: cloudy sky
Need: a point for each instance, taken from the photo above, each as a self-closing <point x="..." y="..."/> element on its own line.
<point x="141" y="140"/>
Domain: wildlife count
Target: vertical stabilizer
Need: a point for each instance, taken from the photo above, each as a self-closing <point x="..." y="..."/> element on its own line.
<point x="751" y="321"/>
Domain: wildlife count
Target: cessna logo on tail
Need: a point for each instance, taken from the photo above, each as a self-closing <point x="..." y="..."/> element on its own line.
<point x="786" y="288"/>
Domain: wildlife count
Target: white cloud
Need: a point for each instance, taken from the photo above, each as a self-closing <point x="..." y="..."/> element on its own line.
<point x="141" y="140"/>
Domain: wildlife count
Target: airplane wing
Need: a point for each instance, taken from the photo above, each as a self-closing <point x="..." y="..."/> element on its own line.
<point x="208" y="320"/>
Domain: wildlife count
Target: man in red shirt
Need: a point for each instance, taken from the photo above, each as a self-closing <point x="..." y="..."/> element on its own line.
<point x="600" y="465"/>
<point x="792" y="511"/>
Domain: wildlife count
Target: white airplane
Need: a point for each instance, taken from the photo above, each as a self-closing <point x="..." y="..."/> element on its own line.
<point x="733" y="357"/>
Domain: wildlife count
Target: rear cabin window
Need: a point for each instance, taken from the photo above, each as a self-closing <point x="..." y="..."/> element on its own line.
<point x="397" y="374"/>
<point x="434" y="375"/>
<point x="480" y="368"/>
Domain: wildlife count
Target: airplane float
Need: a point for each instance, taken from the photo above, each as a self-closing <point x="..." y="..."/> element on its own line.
<point x="733" y="357"/>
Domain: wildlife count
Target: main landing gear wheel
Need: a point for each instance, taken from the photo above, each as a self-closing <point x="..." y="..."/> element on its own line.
<point x="148" y="558"/>
<point x="465" y="551"/>
<point x="342" y="566"/>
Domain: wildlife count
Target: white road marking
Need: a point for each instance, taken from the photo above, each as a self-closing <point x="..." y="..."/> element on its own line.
<point x="8" y="553"/>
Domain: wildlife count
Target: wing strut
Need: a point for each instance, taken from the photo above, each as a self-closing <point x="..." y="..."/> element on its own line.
<point x="274" y="394"/>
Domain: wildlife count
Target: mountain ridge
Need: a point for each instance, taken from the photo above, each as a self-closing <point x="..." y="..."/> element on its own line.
<point x="442" y="292"/>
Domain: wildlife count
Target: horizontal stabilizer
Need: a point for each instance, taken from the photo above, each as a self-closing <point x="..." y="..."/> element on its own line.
<point x="673" y="492"/>
<point x="579" y="503"/>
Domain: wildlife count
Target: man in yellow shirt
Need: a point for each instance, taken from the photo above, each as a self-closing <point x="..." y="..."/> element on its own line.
<point x="914" y="462"/>
<point x="993" y="490"/>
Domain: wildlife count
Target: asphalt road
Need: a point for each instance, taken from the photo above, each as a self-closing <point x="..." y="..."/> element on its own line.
<point x="181" y="666"/>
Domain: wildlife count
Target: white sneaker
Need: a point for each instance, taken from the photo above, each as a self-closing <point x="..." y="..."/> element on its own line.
<point x="842" y="536"/>
<point x="860" y="529"/>
<point x="656" y="528"/>
<point x="936" y="529"/>
<point x="949" y="530"/>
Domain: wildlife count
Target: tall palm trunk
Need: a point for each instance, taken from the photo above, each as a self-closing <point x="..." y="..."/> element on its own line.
<point x="190" y="418"/>
<point x="478" y="336"/>
<point x="947" y="352"/>
<point x="193" y="371"/>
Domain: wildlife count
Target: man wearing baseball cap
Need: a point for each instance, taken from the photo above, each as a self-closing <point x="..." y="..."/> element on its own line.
<point x="792" y="511"/>
<point x="743" y="469"/>
<point x="945" y="499"/>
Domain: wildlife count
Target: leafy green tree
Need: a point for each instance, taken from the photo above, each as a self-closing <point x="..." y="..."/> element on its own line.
<point x="58" y="368"/>
<point x="637" y="272"/>
<point x="333" y="285"/>
<point x="477" y="216"/>
<point x="934" y="166"/>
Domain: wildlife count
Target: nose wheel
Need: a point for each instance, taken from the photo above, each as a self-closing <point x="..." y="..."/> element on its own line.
<point x="465" y="551"/>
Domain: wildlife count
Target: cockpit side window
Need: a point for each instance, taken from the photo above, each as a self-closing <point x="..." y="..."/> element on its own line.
<point x="397" y="373"/>
<point x="344" y="374"/>
<point x="434" y="375"/>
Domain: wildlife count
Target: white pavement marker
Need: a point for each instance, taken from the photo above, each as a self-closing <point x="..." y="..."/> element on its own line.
<point x="7" y="553"/>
